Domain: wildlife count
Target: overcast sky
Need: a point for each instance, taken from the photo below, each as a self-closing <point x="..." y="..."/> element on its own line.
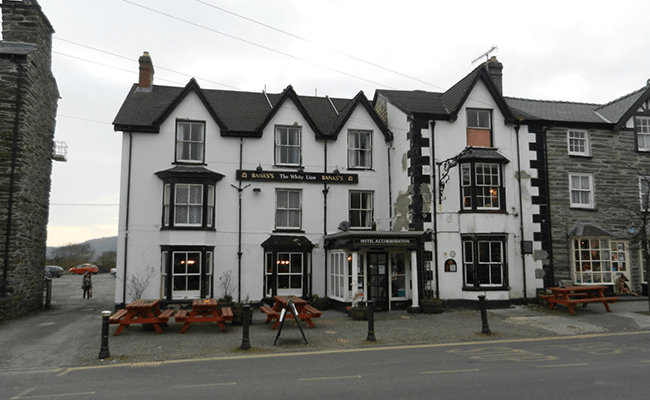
<point x="587" y="51"/>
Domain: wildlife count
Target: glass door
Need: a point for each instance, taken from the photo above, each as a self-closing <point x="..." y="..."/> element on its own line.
<point x="378" y="280"/>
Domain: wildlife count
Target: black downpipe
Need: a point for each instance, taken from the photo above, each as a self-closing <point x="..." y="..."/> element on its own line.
<point x="12" y="177"/>
<point x="126" y="219"/>
<point x="240" y="189"/>
<point x="434" y="207"/>
<point x="521" y="215"/>
<point x="325" y="193"/>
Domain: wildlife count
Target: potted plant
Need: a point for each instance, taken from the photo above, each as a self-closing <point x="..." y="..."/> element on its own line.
<point x="432" y="305"/>
<point x="237" y="312"/>
<point x="320" y="303"/>
<point x="358" y="310"/>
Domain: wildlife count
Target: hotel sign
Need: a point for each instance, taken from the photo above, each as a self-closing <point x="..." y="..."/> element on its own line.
<point x="308" y="177"/>
<point x="385" y="242"/>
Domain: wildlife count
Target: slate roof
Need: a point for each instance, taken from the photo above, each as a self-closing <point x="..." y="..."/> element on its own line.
<point x="445" y="105"/>
<point x="238" y="113"/>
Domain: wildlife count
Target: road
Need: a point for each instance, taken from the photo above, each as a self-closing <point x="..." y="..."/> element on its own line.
<point x="600" y="366"/>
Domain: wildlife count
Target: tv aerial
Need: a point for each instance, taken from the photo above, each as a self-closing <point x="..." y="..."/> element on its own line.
<point x="486" y="54"/>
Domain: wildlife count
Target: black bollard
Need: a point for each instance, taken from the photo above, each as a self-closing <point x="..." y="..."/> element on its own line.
<point x="103" y="351"/>
<point x="483" y="306"/>
<point x="371" y="321"/>
<point x="245" y="342"/>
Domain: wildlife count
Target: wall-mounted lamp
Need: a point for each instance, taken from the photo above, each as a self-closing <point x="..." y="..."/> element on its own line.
<point x="301" y="169"/>
<point x="259" y="168"/>
<point x="514" y="212"/>
<point x="336" y="171"/>
<point x="257" y="190"/>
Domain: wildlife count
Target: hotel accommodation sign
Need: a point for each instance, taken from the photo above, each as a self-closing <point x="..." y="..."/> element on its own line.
<point x="309" y="177"/>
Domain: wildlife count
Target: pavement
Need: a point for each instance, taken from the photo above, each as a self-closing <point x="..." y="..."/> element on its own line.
<point x="69" y="333"/>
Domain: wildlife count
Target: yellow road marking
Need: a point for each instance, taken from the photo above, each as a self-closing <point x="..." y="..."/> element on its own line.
<point x="561" y="365"/>
<point x="451" y="370"/>
<point x="330" y="377"/>
<point x="203" y="385"/>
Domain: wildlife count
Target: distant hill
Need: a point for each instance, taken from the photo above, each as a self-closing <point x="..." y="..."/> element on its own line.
<point x="99" y="245"/>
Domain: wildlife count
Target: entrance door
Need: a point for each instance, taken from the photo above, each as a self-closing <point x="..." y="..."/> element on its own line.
<point x="378" y="280"/>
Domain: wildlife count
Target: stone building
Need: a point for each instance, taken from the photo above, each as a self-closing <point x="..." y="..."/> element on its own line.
<point x="28" y="103"/>
<point x="594" y="163"/>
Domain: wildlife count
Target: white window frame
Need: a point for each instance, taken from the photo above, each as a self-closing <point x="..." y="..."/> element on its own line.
<point x="589" y="178"/>
<point x="284" y="211"/>
<point x="598" y="260"/>
<point x="187" y="275"/>
<point x="286" y="144"/>
<point x="191" y="204"/>
<point x="578" y="142"/>
<point x="365" y="215"/>
<point x="190" y="143"/>
<point x="359" y="149"/>
<point x="338" y="267"/>
<point x="642" y="129"/>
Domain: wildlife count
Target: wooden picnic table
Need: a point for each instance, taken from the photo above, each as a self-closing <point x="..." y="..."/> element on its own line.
<point x="305" y="311"/>
<point x="573" y="295"/>
<point x="141" y="312"/>
<point x="204" y="310"/>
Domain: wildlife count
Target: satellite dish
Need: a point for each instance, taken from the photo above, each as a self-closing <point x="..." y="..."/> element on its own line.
<point x="344" y="226"/>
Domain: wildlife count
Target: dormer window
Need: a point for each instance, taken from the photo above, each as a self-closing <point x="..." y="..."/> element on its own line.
<point x="479" y="128"/>
<point x="190" y="142"/>
<point x="287" y="146"/>
<point x="642" y="129"/>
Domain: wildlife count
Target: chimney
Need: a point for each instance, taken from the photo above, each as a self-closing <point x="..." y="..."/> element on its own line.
<point x="146" y="73"/>
<point x="495" y="70"/>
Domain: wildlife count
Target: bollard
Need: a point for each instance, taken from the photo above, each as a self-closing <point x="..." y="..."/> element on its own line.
<point x="371" y="321"/>
<point x="103" y="351"/>
<point x="483" y="306"/>
<point x="245" y="342"/>
<point x="48" y="293"/>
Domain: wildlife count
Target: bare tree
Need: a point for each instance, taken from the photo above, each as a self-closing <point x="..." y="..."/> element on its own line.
<point x="137" y="283"/>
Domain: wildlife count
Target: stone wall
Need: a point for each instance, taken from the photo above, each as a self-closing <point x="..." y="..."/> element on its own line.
<point x="28" y="103"/>
<point x="616" y="168"/>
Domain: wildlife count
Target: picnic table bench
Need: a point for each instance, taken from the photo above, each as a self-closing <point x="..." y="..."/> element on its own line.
<point x="305" y="311"/>
<point x="573" y="295"/>
<point x="204" y="310"/>
<point x="140" y="312"/>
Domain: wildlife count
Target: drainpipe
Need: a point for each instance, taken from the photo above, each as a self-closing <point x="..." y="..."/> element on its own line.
<point x="325" y="192"/>
<point x="240" y="189"/>
<point x="521" y="215"/>
<point x="432" y="123"/>
<point x="126" y="219"/>
<point x="4" y="285"/>
<point x="390" y="192"/>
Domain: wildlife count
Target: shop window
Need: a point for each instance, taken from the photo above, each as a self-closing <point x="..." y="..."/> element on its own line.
<point x="398" y="275"/>
<point x="190" y="142"/>
<point x="484" y="261"/>
<point x="599" y="260"/>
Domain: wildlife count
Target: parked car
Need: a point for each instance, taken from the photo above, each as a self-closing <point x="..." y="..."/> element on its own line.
<point x="113" y="272"/>
<point x="83" y="268"/>
<point x="52" y="271"/>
